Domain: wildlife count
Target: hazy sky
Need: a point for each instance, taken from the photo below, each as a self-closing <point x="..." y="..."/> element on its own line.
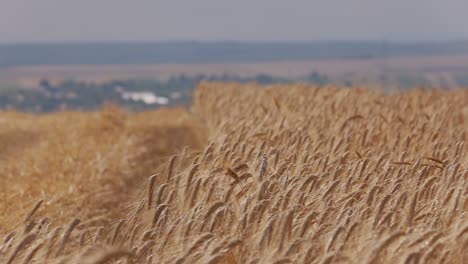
<point x="258" y="20"/>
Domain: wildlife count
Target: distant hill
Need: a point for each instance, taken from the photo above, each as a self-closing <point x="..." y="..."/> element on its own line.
<point x="217" y="52"/>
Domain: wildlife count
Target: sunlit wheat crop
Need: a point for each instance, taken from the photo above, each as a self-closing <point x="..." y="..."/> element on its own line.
<point x="251" y="174"/>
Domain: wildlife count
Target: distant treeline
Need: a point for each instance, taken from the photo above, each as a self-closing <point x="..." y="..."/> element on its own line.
<point x="132" y="94"/>
<point x="218" y="52"/>
<point x="139" y="95"/>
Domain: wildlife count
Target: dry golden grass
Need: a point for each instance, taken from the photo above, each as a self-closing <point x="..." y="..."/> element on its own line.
<point x="85" y="162"/>
<point x="288" y="174"/>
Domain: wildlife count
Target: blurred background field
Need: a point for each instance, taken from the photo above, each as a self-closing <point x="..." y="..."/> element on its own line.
<point x="50" y="77"/>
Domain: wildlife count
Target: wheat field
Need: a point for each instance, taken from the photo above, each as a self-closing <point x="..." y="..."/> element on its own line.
<point x="250" y="174"/>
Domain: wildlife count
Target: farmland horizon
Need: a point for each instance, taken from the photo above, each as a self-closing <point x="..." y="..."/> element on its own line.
<point x="225" y="51"/>
<point x="84" y="75"/>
